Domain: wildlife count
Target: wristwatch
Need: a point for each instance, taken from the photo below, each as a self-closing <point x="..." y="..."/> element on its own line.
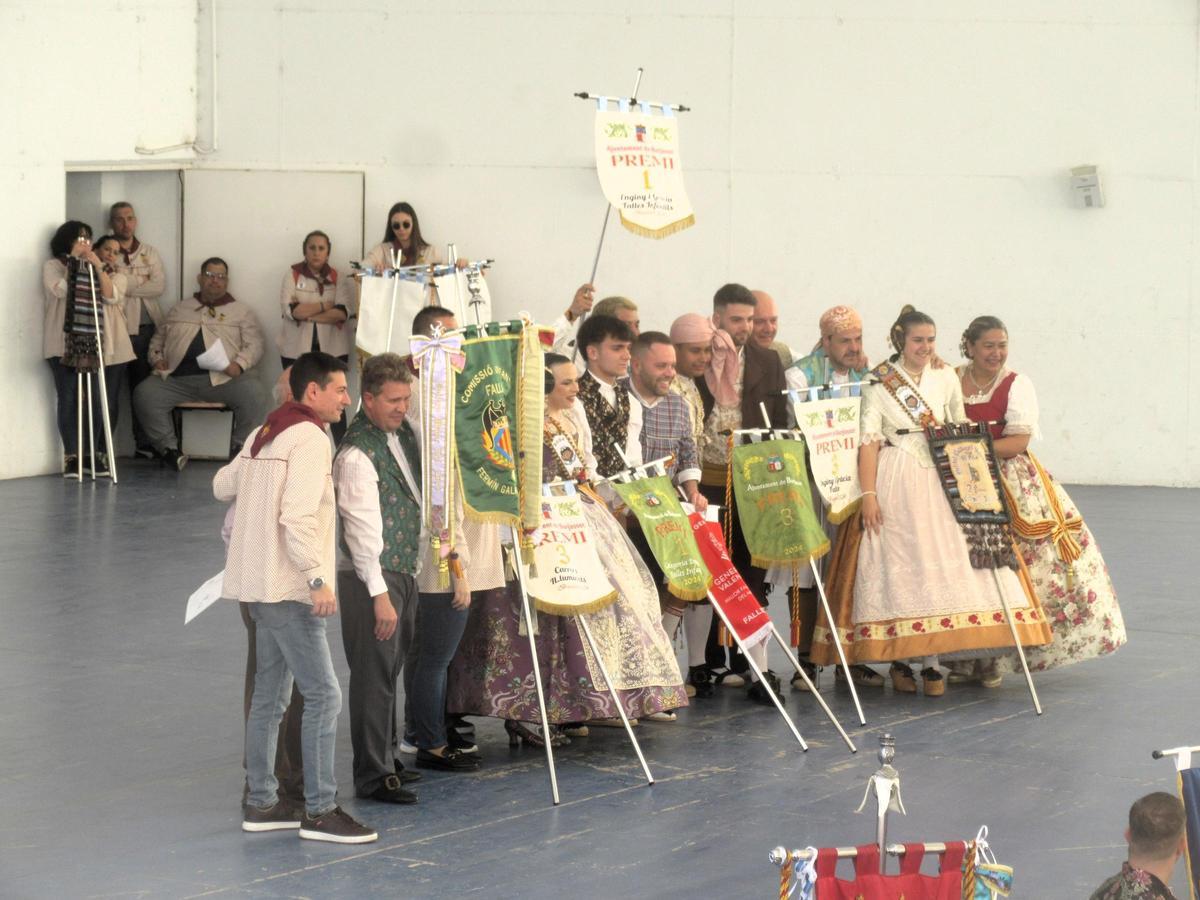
<point x="315" y="584"/>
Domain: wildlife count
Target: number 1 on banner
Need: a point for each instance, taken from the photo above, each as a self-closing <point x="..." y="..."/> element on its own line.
<point x="646" y="179"/>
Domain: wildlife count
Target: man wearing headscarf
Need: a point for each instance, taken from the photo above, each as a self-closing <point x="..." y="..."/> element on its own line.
<point x="741" y="380"/>
<point x="837" y="360"/>
<point x="766" y="327"/>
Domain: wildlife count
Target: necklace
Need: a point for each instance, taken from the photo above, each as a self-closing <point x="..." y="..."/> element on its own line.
<point x="915" y="376"/>
<point x="981" y="393"/>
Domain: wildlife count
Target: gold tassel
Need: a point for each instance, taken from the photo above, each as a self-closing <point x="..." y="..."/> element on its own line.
<point x="795" y="603"/>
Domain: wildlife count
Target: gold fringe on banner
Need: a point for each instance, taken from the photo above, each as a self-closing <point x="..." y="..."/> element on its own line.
<point x="658" y="233"/>
<point x="573" y="609"/>
<point x="837" y="518"/>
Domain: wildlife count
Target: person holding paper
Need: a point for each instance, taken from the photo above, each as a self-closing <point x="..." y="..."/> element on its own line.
<point x="202" y="352"/>
<point x="280" y="565"/>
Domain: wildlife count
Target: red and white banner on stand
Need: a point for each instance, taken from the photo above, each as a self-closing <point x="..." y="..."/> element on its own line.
<point x="750" y="622"/>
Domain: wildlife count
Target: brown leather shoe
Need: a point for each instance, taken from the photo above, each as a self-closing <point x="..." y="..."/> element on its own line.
<point x="903" y="680"/>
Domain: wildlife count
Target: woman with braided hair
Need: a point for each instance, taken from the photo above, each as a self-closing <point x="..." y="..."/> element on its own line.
<point x="915" y="593"/>
<point x="1064" y="562"/>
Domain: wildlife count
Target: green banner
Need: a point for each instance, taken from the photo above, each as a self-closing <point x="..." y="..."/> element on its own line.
<point x="774" y="503"/>
<point x="485" y="425"/>
<point x="669" y="534"/>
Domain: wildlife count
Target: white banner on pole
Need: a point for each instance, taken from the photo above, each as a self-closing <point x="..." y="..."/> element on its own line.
<point x="830" y="429"/>
<point x="637" y="160"/>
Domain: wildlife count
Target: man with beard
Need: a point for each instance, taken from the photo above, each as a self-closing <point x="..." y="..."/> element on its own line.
<point x="740" y="381"/>
<point x="839" y="360"/>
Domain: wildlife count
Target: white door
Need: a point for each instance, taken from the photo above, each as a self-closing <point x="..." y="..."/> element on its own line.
<point x="256" y="221"/>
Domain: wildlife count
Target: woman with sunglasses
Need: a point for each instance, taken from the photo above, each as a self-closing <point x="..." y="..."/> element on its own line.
<point x="402" y="235"/>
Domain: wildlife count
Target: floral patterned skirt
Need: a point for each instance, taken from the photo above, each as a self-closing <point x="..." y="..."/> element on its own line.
<point x="1079" y="600"/>
<point x="492" y="672"/>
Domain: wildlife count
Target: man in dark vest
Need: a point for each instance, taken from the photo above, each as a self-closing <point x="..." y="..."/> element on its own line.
<point x="377" y="476"/>
<point x="614" y="418"/>
<point x="740" y="376"/>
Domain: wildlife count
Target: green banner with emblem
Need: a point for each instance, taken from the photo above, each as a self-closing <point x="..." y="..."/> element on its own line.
<point x="669" y="534"/>
<point x="774" y="503"/>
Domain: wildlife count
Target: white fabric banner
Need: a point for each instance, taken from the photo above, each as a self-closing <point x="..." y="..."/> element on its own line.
<point x="375" y="307"/>
<point x="637" y="160"/>
<point x="567" y="577"/>
<point x="830" y="429"/>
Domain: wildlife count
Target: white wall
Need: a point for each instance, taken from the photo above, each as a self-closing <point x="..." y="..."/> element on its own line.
<point x="122" y="75"/>
<point x="862" y="151"/>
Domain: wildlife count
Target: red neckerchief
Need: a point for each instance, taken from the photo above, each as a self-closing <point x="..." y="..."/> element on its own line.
<point x="327" y="275"/>
<point x="221" y="301"/>
<point x="279" y="421"/>
<point x="133" y="248"/>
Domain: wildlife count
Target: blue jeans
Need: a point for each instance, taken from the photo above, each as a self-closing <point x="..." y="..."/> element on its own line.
<point x="439" y="629"/>
<point x="290" y="642"/>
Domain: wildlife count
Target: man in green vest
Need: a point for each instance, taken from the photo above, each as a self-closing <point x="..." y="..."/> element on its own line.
<point x="377" y="476"/>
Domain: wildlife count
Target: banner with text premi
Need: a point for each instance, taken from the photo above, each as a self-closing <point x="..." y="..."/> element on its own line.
<point x="637" y="160"/>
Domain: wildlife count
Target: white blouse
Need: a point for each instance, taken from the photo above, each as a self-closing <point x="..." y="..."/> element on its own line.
<point x="883" y="418"/>
<point x="1023" y="413"/>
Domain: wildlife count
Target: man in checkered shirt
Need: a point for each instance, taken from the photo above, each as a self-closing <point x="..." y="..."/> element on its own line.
<point x="667" y="431"/>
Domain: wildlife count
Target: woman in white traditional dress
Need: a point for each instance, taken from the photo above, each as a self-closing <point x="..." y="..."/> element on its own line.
<point x="916" y="594"/>
<point x="1063" y="559"/>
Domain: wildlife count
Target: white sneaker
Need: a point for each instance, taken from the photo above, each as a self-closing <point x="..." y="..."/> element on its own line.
<point x="665" y="715"/>
<point x="406" y="747"/>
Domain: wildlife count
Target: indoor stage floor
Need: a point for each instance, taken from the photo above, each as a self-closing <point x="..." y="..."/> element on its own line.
<point x="121" y="731"/>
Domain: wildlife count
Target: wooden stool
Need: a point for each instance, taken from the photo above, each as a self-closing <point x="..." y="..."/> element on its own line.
<point x="204" y="430"/>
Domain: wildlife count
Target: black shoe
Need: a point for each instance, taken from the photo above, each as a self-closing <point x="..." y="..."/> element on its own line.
<point x="701" y="679"/>
<point x="274" y="818"/>
<point x="758" y="692"/>
<point x="97" y="466"/>
<point x="461" y="725"/>
<point x="390" y="791"/>
<point x="336" y="826"/>
<point x="450" y="761"/>
<point x="173" y="459"/>
<point x="456" y="740"/>
<point x="406" y="776"/>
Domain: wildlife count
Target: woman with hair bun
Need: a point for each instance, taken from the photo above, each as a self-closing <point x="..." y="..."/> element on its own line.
<point x="1064" y="561"/>
<point x="915" y="594"/>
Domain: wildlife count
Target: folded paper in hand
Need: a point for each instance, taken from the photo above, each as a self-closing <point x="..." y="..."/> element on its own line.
<point x="204" y="597"/>
<point x="214" y="358"/>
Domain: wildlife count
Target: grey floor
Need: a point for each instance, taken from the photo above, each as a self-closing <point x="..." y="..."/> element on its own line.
<point x="120" y="734"/>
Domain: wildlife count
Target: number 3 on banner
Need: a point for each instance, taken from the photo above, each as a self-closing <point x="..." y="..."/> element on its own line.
<point x="646" y="178"/>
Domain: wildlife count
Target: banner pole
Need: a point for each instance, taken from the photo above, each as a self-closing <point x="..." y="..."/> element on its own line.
<point x="108" y="438"/>
<point x="79" y="402"/>
<point x="757" y="671"/>
<point x="812" y="687"/>
<point x="91" y="432"/>
<point x="1037" y="706"/>
<point x="587" y="632"/>
<point x="834" y="629"/>
<point x="387" y="348"/>
<point x="537" y="670"/>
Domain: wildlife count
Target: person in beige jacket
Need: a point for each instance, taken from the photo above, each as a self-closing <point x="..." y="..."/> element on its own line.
<point x="146" y="280"/>
<point x="316" y="306"/>
<point x="73" y="239"/>
<point x="202" y="352"/>
<point x="281" y="566"/>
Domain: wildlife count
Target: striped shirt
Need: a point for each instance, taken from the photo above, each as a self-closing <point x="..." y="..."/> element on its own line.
<point x="667" y="430"/>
